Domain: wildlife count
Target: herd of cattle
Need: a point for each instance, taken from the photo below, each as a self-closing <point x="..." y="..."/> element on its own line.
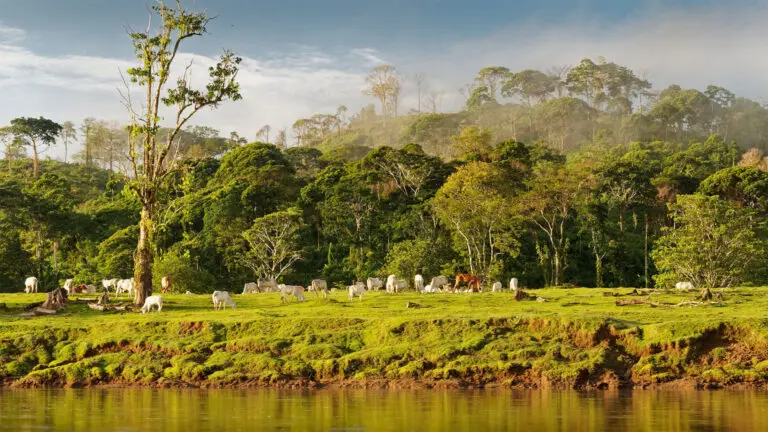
<point x="392" y="285"/>
<point x="222" y="299"/>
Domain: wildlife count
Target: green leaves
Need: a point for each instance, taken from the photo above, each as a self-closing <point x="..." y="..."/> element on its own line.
<point x="712" y="243"/>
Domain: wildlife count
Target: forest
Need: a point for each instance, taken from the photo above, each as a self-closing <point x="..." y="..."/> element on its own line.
<point x="576" y="176"/>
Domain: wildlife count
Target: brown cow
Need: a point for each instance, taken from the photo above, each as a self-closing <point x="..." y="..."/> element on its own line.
<point x="472" y="281"/>
<point x="165" y="284"/>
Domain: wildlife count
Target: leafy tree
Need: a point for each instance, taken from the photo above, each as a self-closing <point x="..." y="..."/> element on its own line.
<point x="713" y="243"/>
<point x="473" y="205"/>
<point x="529" y="85"/>
<point x="473" y="141"/>
<point x="744" y="187"/>
<point x="555" y="193"/>
<point x="38" y="133"/>
<point x="156" y="53"/>
<point x="273" y="244"/>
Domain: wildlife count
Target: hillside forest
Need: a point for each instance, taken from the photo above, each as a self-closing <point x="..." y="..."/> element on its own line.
<point x="577" y="176"/>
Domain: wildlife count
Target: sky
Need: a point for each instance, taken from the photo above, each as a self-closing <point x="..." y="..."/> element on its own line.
<point x="62" y="59"/>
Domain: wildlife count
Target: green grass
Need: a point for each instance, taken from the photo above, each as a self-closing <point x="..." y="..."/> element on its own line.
<point x="577" y="338"/>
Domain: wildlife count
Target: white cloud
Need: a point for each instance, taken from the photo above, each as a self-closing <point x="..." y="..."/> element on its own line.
<point x="11" y="34"/>
<point x="693" y="48"/>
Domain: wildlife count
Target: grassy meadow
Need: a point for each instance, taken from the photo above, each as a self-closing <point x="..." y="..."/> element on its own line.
<point x="577" y="338"/>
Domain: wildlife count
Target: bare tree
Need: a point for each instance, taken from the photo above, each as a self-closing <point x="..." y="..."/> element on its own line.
<point x="68" y="136"/>
<point x="263" y="133"/>
<point x="421" y="82"/>
<point x="156" y="50"/>
<point x="384" y="85"/>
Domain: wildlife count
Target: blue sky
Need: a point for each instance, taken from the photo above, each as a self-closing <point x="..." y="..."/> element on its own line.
<point x="62" y="58"/>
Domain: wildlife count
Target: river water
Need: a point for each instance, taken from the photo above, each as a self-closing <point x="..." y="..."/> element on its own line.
<point x="357" y="410"/>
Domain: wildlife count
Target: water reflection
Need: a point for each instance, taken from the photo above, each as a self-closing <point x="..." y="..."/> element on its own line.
<point x="422" y="411"/>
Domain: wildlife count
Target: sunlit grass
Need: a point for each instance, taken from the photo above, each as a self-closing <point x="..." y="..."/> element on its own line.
<point x="572" y="337"/>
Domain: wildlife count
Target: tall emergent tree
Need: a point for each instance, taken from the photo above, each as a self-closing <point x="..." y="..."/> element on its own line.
<point x="38" y="133"/>
<point x="156" y="50"/>
<point x="68" y="136"/>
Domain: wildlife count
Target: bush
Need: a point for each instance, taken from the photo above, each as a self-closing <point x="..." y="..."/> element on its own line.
<point x="183" y="273"/>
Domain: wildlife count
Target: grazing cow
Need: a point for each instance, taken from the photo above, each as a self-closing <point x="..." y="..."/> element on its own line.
<point x="418" y="283"/>
<point x="513" y="284"/>
<point x="358" y="289"/>
<point x="684" y="285"/>
<point x="221" y="300"/>
<point x="496" y="287"/>
<point x="392" y="284"/>
<point x="90" y="289"/>
<point x="69" y="284"/>
<point x="109" y="283"/>
<point x="250" y="288"/>
<point x="267" y="285"/>
<point x="30" y="285"/>
<point x="294" y="290"/>
<point x="165" y="284"/>
<point x="400" y="285"/>
<point x="438" y="282"/>
<point x="188" y="292"/>
<point x="374" y="284"/>
<point x="154" y="300"/>
<point x="79" y="289"/>
<point x="472" y="281"/>
<point x="319" y="285"/>
<point x="428" y="289"/>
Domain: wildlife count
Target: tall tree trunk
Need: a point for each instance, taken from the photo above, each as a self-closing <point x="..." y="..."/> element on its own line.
<point x="35" y="161"/>
<point x="142" y="266"/>
<point x="557" y="265"/>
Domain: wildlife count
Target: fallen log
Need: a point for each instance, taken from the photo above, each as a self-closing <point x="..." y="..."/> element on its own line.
<point x="44" y="311"/>
<point x="631" y="302"/>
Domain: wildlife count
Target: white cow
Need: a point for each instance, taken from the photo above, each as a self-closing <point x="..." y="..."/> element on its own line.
<point x="428" y="289"/>
<point x="438" y="282"/>
<point x="294" y="290"/>
<point x="319" y="285"/>
<point x="358" y="289"/>
<point x="496" y="287"/>
<point x="392" y="284"/>
<point x="30" y="285"/>
<point x="154" y="300"/>
<point x="124" y="286"/>
<point x="109" y="283"/>
<point x="68" y="285"/>
<point x="418" y="283"/>
<point x="221" y="300"/>
<point x="374" y="284"/>
<point x="250" y="288"/>
<point x="267" y="285"/>
<point x="513" y="284"/>
<point x="401" y="285"/>
<point x="684" y="285"/>
<point x="90" y="289"/>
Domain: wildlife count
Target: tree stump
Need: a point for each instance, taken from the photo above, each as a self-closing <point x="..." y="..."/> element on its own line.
<point x="411" y="305"/>
<point x="522" y="295"/>
<point x="55" y="300"/>
<point x="706" y="295"/>
<point x="719" y="297"/>
<point x="103" y="298"/>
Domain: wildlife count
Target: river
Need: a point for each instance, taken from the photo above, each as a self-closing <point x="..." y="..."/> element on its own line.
<point x="357" y="410"/>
